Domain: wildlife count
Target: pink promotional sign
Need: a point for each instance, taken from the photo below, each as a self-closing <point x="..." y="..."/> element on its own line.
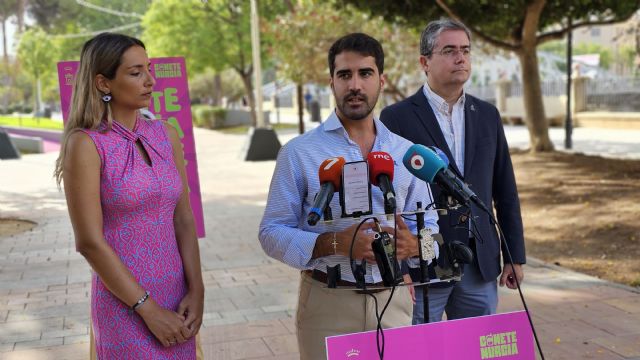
<point x="170" y="102"/>
<point x="500" y="336"/>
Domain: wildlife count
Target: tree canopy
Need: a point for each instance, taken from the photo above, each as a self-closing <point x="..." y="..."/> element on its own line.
<point x="301" y="43"/>
<point x="502" y="23"/>
<point x="515" y="25"/>
<point x="213" y="34"/>
<point x="35" y="52"/>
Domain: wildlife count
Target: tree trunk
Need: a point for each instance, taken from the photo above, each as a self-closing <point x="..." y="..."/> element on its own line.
<point x="300" y="108"/>
<point x="5" y="52"/>
<point x="248" y="88"/>
<point x="533" y="105"/>
<point x="217" y="90"/>
<point x="20" y="5"/>
<point x="20" y="15"/>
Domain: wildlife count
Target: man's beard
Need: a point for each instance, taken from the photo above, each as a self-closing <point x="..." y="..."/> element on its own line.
<point x="362" y="111"/>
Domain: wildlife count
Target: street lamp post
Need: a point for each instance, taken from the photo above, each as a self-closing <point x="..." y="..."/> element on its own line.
<point x="568" y="125"/>
<point x="257" y="65"/>
<point x="263" y="143"/>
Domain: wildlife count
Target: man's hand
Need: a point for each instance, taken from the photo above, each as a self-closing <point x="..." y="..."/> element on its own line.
<point x="507" y="277"/>
<point x="407" y="243"/>
<point x="412" y="290"/>
<point x="362" y="246"/>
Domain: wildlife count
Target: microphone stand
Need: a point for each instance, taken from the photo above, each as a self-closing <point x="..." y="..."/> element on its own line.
<point x="424" y="270"/>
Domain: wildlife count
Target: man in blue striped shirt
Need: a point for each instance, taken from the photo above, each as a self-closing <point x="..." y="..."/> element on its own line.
<point x="356" y="64"/>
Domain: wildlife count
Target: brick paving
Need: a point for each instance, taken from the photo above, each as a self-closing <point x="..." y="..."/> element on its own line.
<point x="250" y="299"/>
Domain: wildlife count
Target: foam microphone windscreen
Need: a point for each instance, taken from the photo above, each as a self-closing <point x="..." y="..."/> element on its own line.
<point x="423" y="162"/>
<point x="331" y="171"/>
<point x="379" y="162"/>
<point x="440" y="153"/>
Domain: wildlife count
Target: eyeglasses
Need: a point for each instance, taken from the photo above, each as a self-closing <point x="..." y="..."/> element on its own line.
<point x="452" y="52"/>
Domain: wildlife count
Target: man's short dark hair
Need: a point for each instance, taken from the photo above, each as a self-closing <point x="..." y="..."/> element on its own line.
<point x="360" y="43"/>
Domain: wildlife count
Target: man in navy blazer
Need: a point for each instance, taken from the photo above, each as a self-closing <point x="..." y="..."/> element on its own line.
<point x="470" y="133"/>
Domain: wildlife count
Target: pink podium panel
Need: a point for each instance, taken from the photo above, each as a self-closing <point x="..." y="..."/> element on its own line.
<point x="170" y="102"/>
<point x="502" y="336"/>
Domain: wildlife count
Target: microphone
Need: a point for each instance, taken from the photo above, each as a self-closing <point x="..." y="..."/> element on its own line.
<point x="381" y="175"/>
<point x="426" y="165"/>
<point x="330" y="174"/>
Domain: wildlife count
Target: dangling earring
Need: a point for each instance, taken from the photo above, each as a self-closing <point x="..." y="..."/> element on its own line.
<point x="106" y="98"/>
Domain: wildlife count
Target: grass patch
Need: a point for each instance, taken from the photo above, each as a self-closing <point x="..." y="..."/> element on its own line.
<point x="243" y="129"/>
<point x="31" y="122"/>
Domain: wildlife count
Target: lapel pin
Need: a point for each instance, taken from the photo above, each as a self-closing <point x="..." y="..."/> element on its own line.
<point x="472" y="108"/>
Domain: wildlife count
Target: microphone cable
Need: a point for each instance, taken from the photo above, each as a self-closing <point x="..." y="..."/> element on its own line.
<point x="429" y="206"/>
<point x="380" y="342"/>
<point x="503" y="240"/>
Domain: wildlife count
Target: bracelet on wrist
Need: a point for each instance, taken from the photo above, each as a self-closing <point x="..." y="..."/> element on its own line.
<point x="140" y="301"/>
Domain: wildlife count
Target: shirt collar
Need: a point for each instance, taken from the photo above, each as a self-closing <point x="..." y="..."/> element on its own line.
<point x="438" y="102"/>
<point x="333" y="123"/>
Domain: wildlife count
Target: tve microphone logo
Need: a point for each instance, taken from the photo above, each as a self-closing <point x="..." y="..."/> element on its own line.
<point x="383" y="156"/>
<point x="331" y="162"/>
<point x="416" y="161"/>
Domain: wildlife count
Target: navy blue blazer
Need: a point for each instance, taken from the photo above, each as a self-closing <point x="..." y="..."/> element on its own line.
<point x="487" y="170"/>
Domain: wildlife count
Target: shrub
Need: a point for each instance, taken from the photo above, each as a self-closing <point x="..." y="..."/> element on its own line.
<point x="209" y="117"/>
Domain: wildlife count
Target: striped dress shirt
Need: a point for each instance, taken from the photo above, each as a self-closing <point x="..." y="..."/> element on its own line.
<point x="284" y="232"/>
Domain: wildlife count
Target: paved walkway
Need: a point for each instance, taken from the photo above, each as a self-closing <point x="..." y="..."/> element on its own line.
<point x="250" y="298"/>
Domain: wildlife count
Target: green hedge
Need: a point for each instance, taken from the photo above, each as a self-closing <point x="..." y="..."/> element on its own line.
<point x="30" y="122"/>
<point x="209" y="117"/>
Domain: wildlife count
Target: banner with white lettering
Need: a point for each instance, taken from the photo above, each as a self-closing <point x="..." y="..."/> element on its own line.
<point x="502" y="336"/>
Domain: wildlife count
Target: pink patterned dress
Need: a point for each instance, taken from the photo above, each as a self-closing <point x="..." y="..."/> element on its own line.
<point x="138" y="201"/>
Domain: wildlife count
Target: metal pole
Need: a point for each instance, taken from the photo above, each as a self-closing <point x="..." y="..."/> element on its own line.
<point x="424" y="275"/>
<point x="257" y="68"/>
<point x="568" y="125"/>
<point x="276" y="102"/>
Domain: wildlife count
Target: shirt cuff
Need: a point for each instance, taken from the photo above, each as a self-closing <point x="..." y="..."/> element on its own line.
<point x="300" y="250"/>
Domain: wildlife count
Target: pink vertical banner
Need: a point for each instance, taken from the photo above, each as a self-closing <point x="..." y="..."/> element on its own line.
<point x="502" y="336"/>
<point x="170" y="102"/>
<point x="66" y="77"/>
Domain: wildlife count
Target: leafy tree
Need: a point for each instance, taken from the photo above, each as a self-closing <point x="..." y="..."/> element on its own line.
<point x="555" y="47"/>
<point x="68" y="24"/>
<point x="605" y="54"/>
<point x="628" y="57"/>
<point x="301" y="43"/>
<point x="209" y="34"/>
<point x="89" y="16"/>
<point x="201" y="85"/>
<point x="10" y="93"/>
<point x="7" y="9"/>
<point x="35" y="55"/>
<point x="560" y="48"/>
<point x="72" y="23"/>
<point x="514" y="25"/>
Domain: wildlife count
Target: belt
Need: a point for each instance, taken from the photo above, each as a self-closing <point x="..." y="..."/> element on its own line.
<point x="318" y="275"/>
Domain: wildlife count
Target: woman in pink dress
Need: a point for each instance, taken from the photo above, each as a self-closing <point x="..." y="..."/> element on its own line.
<point x="125" y="183"/>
